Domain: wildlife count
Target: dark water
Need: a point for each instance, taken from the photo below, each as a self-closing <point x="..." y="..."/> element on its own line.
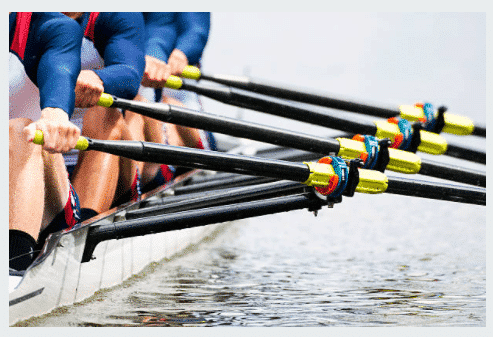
<point x="370" y="261"/>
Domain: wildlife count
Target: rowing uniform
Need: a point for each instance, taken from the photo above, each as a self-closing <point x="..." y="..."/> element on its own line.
<point x="113" y="47"/>
<point x="44" y="63"/>
<point x="188" y="32"/>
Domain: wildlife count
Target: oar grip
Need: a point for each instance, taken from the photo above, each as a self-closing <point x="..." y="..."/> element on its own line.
<point x="191" y="72"/>
<point x="431" y="143"/>
<point x="173" y="82"/>
<point x="105" y="100"/>
<point x="399" y="161"/>
<point x="82" y="142"/>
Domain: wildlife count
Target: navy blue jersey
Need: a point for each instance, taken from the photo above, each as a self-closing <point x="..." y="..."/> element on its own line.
<point x="48" y="46"/>
<point x="186" y="31"/>
<point x="118" y="37"/>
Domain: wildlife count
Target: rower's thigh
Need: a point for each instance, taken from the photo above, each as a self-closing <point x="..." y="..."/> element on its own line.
<point x="102" y="123"/>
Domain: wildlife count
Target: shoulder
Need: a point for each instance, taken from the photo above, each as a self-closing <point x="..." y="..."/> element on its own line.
<point x="120" y="21"/>
<point x="56" y="25"/>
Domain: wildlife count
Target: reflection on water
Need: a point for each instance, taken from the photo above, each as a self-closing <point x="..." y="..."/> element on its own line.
<point x="371" y="267"/>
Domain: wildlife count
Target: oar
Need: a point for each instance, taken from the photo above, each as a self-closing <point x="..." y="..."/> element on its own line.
<point x="328" y="176"/>
<point x="423" y="141"/>
<point x="454" y="124"/>
<point x="399" y="161"/>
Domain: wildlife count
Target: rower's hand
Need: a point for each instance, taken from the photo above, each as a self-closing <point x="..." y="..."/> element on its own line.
<point x="88" y="90"/>
<point x="60" y="135"/>
<point x="177" y="62"/>
<point x="156" y="73"/>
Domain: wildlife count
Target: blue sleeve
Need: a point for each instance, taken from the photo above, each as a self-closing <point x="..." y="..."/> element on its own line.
<point x="193" y="33"/>
<point x="59" y="64"/>
<point x="160" y="34"/>
<point x="120" y="39"/>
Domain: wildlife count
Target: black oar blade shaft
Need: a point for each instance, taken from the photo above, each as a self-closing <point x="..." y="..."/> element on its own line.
<point x="479" y="131"/>
<point x="255" y="102"/>
<point x="301" y="96"/>
<point x="221" y="197"/>
<point x="431" y="190"/>
<point x="203" y="159"/>
<point x="230" y="126"/>
<point x="466" y="154"/>
<point x="452" y="172"/>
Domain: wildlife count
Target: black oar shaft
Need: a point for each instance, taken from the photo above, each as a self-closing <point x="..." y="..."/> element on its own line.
<point x="431" y="190"/>
<point x="202" y="159"/>
<point x="229" y="126"/>
<point x="457" y="151"/>
<point x="254" y="102"/>
<point x="479" y="131"/>
<point x="452" y="172"/>
<point x="220" y="197"/>
<point x="301" y="96"/>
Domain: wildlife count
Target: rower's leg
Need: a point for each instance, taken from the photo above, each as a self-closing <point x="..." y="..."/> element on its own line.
<point x="130" y="170"/>
<point x="26" y="181"/>
<point x="95" y="176"/>
<point x="38" y="192"/>
<point x="181" y="135"/>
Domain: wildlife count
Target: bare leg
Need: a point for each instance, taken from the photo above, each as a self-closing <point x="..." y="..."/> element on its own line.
<point x="26" y="181"/>
<point x="133" y="129"/>
<point x="38" y="182"/>
<point x="181" y="135"/>
<point x="96" y="174"/>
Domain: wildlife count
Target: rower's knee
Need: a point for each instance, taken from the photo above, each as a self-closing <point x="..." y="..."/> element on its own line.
<point x="17" y="141"/>
<point x="103" y="123"/>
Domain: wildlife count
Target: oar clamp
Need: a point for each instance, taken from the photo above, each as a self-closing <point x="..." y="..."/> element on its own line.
<point x="416" y="137"/>
<point x="353" y="177"/>
<point x="432" y="121"/>
<point x="376" y="156"/>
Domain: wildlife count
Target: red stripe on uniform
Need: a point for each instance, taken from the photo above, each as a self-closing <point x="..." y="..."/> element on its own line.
<point x="91" y="23"/>
<point x="22" y="23"/>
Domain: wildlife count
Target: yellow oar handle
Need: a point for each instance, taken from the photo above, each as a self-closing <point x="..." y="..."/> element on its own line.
<point x="431" y="143"/>
<point x="370" y="182"/>
<point x="105" y="100"/>
<point x="82" y="142"/>
<point x="454" y="124"/>
<point x="191" y="72"/>
<point x="399" y="160"/>
<point x="173" y="82"/>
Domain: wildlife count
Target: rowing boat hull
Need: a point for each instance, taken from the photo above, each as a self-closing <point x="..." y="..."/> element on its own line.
<point x="59" y="278"/>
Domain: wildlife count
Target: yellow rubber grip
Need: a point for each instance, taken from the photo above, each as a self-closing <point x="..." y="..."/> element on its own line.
<point x="191" y="72"/>
<point x="173" y="82"/>
<point x="372" y="182"/>
<point x="105" y="100"/>
<point x="399" y="161"/>
<point x="320" y="174"/>
<point x="431" y="143"/>
<point x="457" y="125"/>
<point x="82" y="142"/>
